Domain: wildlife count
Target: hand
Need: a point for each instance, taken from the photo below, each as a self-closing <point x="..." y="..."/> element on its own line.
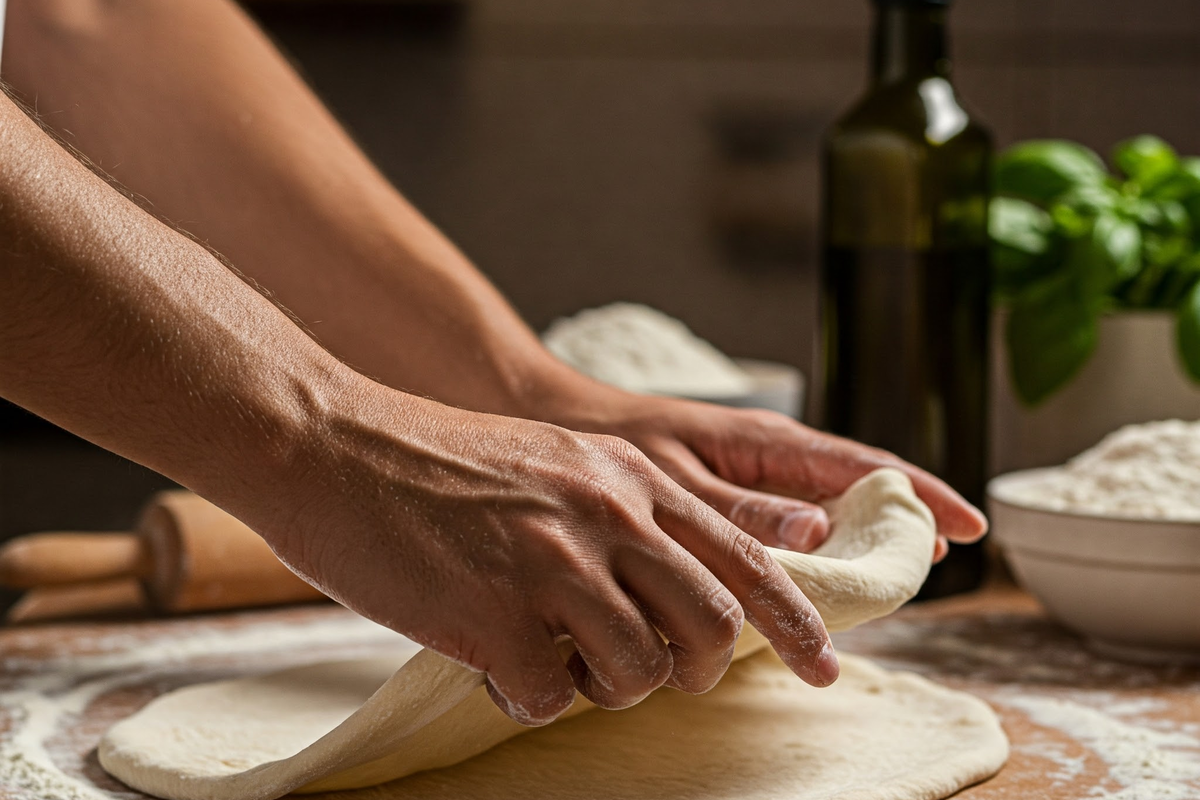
<point x="763" y="471"/>
<point x="489" y="538"/>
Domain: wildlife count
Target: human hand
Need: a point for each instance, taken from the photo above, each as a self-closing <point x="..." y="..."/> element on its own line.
<point x="489" y="538"/>
<point x="763" y="471"/>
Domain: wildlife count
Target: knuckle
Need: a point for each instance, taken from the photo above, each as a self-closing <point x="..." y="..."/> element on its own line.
<point x="753" y="565"/>
<point x="765" y="416"/>
<point x="624" y="453"/>
<point x="563" y="554"/>
<point x="612" y="499"/>
<point x="726" y="619"/>
<point x="767" y="420"/>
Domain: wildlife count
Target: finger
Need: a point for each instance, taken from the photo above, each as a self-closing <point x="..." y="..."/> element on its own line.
<point x="816" y="466"/>
<point x="956" y="519"/>
<point x="700" y="618"/>
<point x="621" y="658"/>
<point x="533" y="686"/>
<point x="775" y="520"/>
<point x="770" y="600"/>
<point x="940" y="549"/>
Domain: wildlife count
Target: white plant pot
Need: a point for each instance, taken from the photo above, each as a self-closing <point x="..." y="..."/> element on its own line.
<point x="1134" y="375"/>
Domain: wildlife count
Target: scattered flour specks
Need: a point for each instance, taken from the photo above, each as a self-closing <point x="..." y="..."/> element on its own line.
<point x="1068" y="767"/>
<point x="59" y="689"/>
<point x="1144" y="763"/>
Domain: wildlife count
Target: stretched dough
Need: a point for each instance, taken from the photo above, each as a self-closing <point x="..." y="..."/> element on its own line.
<point x="349" y="726"/>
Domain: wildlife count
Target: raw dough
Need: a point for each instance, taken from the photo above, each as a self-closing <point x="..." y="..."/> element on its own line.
<point x="351" y="725"/>
<point x="761" y="734"/>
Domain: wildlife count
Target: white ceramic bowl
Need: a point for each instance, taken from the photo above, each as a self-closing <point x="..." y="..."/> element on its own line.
<point x="777" y="387"/>
<point x="1131" y="587"/>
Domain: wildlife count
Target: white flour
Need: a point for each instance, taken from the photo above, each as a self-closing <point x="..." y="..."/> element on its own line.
<point x="60" y="689"/>
<point x="1149" y="471"/>
<point x="1143" y="763"/>
<point x="637" y="348"/>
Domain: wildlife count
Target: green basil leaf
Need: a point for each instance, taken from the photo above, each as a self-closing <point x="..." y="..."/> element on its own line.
<point x="1183" y="183"/>
<point x="1145" y="159"/>
<point x="1070" y="221"/>
<point x="1051" y="333"/>
<point x="1121" y="241"/>
<point x="1176" y="218"/>
<point x="1188" y="331"/>
<point x="1019" y="225"/>
<point x="1190" y="167"/>
<point x="1042" y="170"/>
<point x="1111" y="253"/>
<point x="1090" y="200"/>
<point x="1166" y="217"/>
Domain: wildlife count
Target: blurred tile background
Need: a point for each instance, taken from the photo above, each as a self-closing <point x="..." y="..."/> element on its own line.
<point x="664" y="151"/>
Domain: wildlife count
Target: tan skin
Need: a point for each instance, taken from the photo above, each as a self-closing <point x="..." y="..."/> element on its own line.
<point x="528" y="505"/>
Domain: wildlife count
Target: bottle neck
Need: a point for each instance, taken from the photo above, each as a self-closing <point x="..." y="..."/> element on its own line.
<point x="910" y="43"/>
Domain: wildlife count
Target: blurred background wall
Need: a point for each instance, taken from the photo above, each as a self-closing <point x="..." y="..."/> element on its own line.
<point x="663" y="151"/>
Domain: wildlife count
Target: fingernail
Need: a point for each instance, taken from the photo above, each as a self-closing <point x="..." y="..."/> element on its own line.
<point x="828" y="668"/>
<point x="500" y="700"/>
<point x="803" y="530"/>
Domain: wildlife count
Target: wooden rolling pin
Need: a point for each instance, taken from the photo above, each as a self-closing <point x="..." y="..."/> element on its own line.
<point x="185" y="555"/>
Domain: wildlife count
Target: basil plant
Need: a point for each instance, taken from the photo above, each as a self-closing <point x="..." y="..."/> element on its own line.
<point x="1071" y="242"/>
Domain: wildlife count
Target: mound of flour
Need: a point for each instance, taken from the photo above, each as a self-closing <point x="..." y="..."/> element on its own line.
<point x="643" y="350"/>
<point x="1149" y="471"/>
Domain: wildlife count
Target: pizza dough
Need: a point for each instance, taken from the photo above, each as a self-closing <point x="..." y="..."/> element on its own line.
<point x="356" y="724"/>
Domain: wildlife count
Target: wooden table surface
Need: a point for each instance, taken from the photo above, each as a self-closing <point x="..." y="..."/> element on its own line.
<point x="1080" y="726"/>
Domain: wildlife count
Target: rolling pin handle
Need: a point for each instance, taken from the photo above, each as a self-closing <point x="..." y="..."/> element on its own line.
<point x="60" y="558"/>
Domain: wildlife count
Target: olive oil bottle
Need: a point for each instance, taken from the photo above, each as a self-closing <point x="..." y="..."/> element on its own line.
<point x="905" y="272"/>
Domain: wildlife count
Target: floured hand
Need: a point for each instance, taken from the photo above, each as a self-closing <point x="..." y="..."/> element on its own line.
<point x="489" y="539"/>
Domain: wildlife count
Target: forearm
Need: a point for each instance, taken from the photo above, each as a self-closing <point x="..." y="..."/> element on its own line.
<point x="129" y="334"/>
<point x="188" y="104"/>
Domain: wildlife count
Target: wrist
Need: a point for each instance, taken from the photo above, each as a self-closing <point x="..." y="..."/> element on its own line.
<point x="267" y="454"/>
<point x="563" y="396"/>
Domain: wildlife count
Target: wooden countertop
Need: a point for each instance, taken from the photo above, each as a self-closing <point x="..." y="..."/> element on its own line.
<point x="1080" y="726"/>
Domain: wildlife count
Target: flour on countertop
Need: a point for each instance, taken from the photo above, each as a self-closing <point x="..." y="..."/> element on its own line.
<point x="61" y="688"/>
<point x="1143" y="763"/>
<point x="643" y="350"/>
<point x="1149" y="471"/>
<point x="1103" y="737"/>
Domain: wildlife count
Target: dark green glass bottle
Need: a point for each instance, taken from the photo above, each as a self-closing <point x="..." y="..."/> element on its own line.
<point x="905" y="273"/>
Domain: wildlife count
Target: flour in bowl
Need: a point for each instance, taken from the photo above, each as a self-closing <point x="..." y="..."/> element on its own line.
<point x="1148" y="471"/>
<point x="643" y="350"/>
